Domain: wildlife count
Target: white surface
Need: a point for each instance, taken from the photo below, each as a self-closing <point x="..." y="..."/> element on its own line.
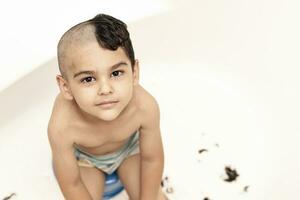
<point x="222" y="73"/>
<point x="31" y="29"/>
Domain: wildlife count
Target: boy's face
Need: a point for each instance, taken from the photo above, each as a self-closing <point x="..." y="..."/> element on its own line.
<point x="97" y="75"/>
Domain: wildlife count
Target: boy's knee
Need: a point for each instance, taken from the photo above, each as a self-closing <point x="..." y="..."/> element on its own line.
<point x="134" y="195"/>
<point x="161" y="195"/>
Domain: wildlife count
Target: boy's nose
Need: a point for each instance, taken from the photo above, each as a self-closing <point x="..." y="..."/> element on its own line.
<point x="105" y="88"/>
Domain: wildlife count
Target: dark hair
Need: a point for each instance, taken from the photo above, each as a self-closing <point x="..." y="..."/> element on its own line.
<point x="112" y="33"/>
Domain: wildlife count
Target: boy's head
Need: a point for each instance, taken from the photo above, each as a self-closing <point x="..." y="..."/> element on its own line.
<point x="97" y="64"/>
<point x="109" y="32"/>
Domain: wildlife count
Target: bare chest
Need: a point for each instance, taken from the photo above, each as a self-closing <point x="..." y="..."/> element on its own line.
<point x="100" y="140"/>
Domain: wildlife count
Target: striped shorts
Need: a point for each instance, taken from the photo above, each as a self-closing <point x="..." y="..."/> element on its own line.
<point x="108" y="163"/>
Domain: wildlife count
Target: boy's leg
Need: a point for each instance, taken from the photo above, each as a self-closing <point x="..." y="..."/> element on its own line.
<point x="129" y="174"/>
<point x="94" y="180"/>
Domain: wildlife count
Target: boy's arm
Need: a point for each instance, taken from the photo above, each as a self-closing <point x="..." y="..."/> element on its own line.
<point x="152" y="155"/>
<point x="65" y="167"/>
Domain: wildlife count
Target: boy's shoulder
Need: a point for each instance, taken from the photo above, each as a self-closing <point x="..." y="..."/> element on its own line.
<point x="60" y="114"/>
<point x="147" y="102"/>
<point x="149" y="113"/>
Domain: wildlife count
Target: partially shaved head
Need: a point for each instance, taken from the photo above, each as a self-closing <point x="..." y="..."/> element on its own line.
<point x="109" y="32"/>
<point x="75" y="37"/>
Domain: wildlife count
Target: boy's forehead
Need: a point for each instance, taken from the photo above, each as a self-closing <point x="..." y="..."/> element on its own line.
<point x="92" y="56"/>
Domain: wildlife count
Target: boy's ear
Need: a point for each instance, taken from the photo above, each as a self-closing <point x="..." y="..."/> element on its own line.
<point x="64" y="87"/>
<point x="136" y="72"/>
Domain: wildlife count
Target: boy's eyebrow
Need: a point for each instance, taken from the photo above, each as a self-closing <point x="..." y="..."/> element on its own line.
<point x="92" y="72"/>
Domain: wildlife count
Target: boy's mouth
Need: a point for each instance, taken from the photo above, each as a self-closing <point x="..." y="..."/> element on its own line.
<point x="107" y="104"/>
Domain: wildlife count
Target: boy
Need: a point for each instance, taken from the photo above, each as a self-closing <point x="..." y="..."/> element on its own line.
<point x="103" y="120"/>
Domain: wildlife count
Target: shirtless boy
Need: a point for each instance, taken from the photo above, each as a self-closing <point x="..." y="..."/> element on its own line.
<point x="90" y="137"/>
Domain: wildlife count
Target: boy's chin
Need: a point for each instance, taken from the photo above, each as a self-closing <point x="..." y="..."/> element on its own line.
<point x="109" y="116"/>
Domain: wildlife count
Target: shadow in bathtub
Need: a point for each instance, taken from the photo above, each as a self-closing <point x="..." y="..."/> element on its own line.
<point x="28" y="91"/>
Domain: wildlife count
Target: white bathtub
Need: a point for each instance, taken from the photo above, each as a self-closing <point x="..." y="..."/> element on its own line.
<point x="226" y="79"/>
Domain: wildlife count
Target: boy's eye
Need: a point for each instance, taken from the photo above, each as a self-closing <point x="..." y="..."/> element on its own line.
<point x="87" y="79"/>
<point x="116" y="72"/>
<point x="90" y="78"/>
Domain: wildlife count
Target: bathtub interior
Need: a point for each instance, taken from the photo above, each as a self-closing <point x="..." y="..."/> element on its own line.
<point x="208" y="114"/>
<point x="211" y="95"/>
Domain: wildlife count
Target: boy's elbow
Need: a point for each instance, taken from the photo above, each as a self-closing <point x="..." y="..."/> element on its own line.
<point x="153" y="158"/>
<point x="76" y="191"/>
<point x="70" y="183"/>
